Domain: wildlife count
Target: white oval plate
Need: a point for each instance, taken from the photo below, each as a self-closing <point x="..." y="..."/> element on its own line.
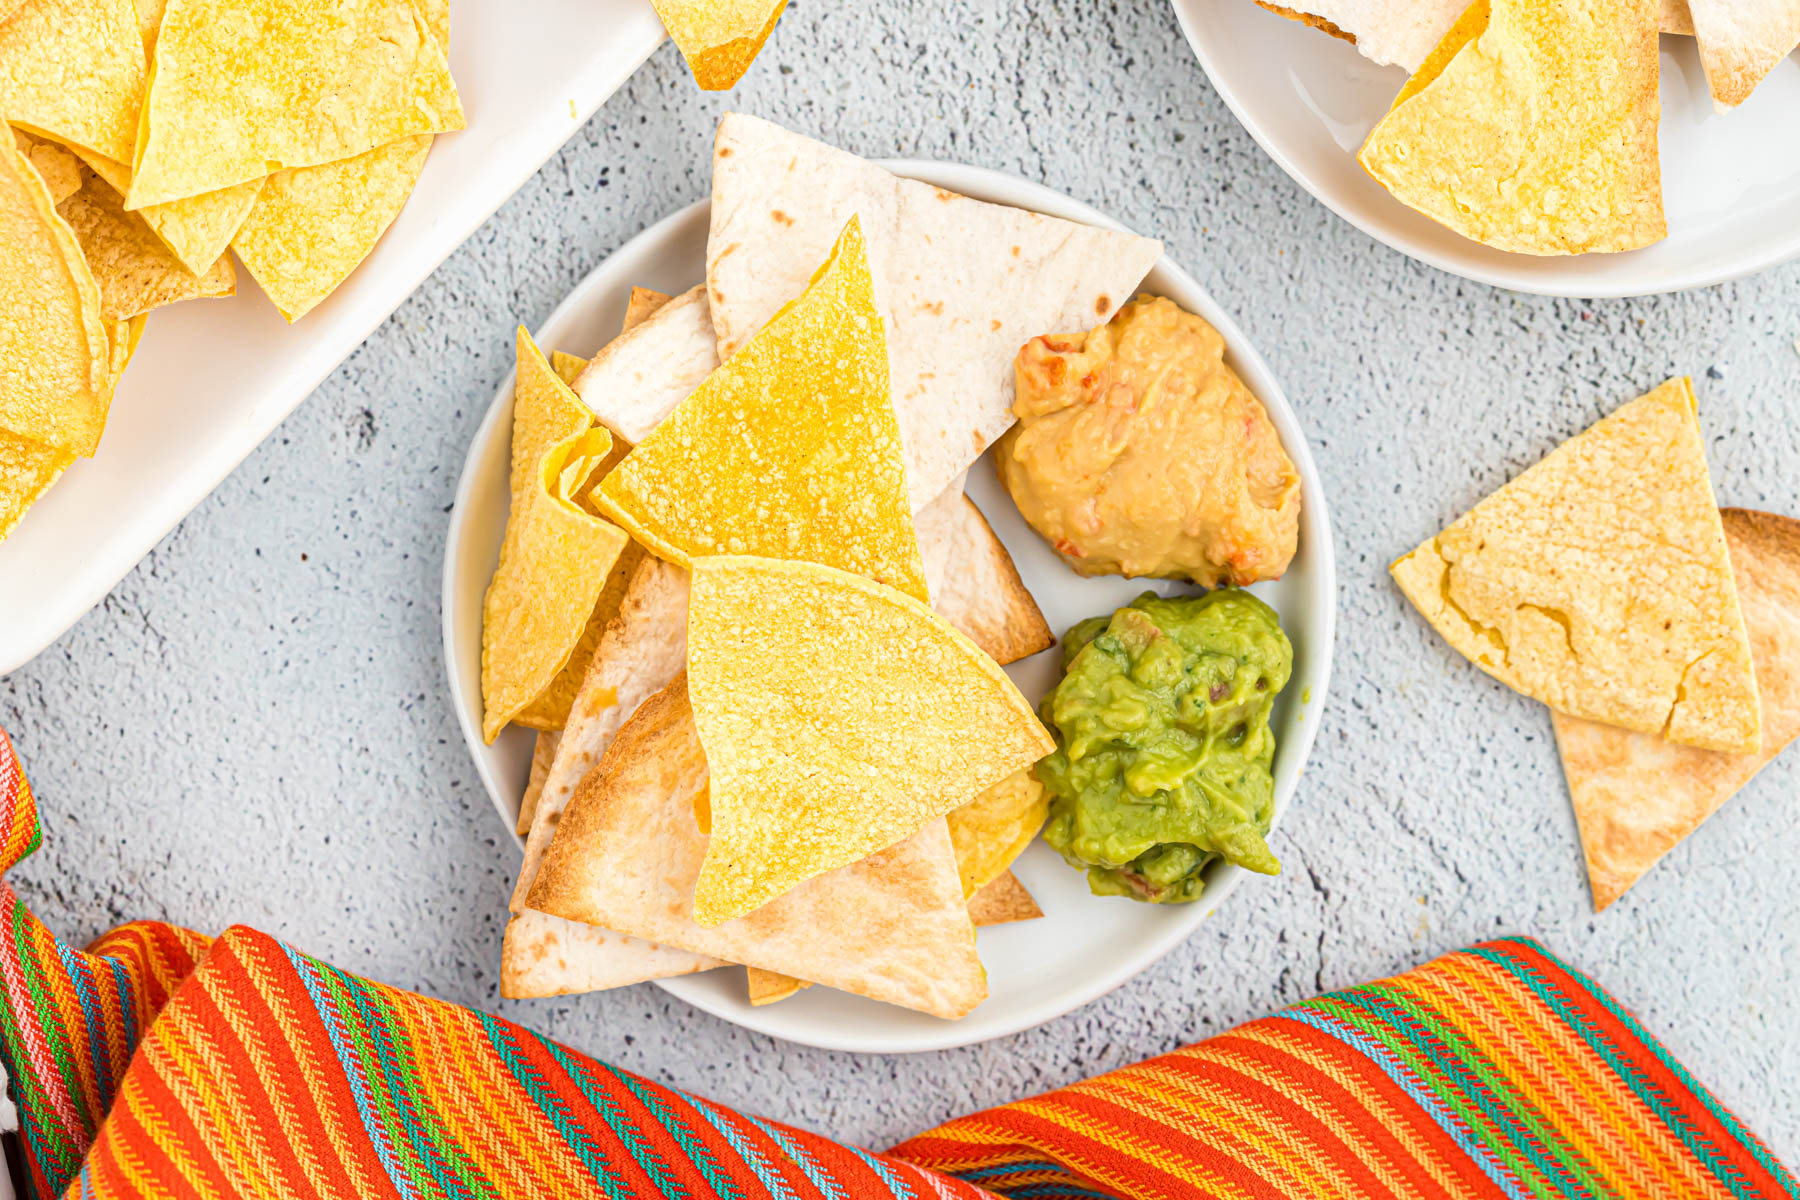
<point x="1731" y="182"/>
<point x="1085" y="945"/>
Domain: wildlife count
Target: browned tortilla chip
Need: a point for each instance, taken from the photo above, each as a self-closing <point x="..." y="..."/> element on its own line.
<point x="974" y="584"/>
<point x="789" y="450"/>
<point x="73" y="70"/>
<point x="55" y="356"/>
<point x="1532" y="128"/>
<point x="543" y="753"/>
<point x="1310" y="19"/>
<point x="1636" y="796"/>
<point x="542" y="955"/>
<point x="1598" y="582"/>
<point x="719" y="38"/>
<point x="1002" y="902"/>
<point x="1741" y="41"/>
<point x="135" y="271"/>
<point x="920" y="721"/>
<point x="893" y="927"/>
<point x="243" y="88"/>
<point x="557" y="555"/>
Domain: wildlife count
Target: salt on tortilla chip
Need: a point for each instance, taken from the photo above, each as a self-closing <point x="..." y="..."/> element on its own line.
<point x="58" y="166"/>
<point x="892" y="927"/>
<point x="639" y="379"/>
<point x="73" y="70"/>
<point x="1741" y="41"/>
<point x="962" y="283"/>
<point x="1533" y="128"/>
<point x="920" y="721"/>
<point x="557" y="554"/>
<point x="1635" y="795"/>
<point x="543" y="956"/>
<point x="993" y="829"/>
<point x="27" y="469"/>
<point x="241" y="88"/>
<point x="134" y="270"/>
<point x="719" y="38"/>
<point x="55" y="357"/>
<point x="1598" y="582"/>
<point x="543" y="753"/>
<point x="196" y="229"/>
<point x="789" y="450"/>
<point x="973" y="582"/>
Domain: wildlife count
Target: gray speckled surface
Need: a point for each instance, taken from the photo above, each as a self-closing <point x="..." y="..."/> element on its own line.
<point x="253" y="726"/>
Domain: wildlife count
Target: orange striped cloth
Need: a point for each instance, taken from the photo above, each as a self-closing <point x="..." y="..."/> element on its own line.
<point x="156" y="1063"/>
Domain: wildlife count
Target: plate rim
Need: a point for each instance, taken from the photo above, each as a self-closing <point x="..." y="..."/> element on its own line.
<point x="1316" y="529"/>
<point x="1199" y="41"/>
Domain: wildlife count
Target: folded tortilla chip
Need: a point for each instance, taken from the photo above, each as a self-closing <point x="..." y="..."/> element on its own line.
<point x="243" y="88"/>
<point x="789" y="450"/>
<point x="919" y="721"/>
<point x="58" y="166"/>
<point x="1637" y="796"/>
<point x="134" y="269"/>
<point x="1741" y="41"/>
<point x="196" y="229"/>
<point x="962" y="283"/>
<point x="73" y="70"/>
<point x="893" y="927"/>
<point x="1598" y="582"/>
<point x="557" y="555"/>
<point x="973" y="582"/>
<point x="719" y="38"/>
<point x="1532" y="128"/>
<point x="55" y="356"/>
<point x="1001" y="902"/>
<point x="27" y="469"/>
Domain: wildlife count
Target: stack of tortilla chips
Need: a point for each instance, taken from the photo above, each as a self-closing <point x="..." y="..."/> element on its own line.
<point x="1531" y="125"/>
<point x="1664" y="635"/>
<point x="776" y="732"/>
<point x="143" y="141"/>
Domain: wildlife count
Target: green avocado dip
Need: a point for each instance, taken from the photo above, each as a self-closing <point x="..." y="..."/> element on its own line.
<point x="1163" y="746"/>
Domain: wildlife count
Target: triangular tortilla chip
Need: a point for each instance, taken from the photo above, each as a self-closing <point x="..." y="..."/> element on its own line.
<point x="557" y="555"/>
<point x="27" y="469"/>
<point x="993" y="829"/>
<point x="790" y="450"/>
<point x="892" y="927"/>
<point x="1635" y="795"/>
<point x="55" y="356"/>
<point x="1532" y="128"/>
<point x="241" y="88"/>
<point x="542" y="956"/>
<point x="640" y="378"/>
<point x="1741" y="41"/>
<point x="839" y="716"/>
<point x="1598" y="582"/>
<point x="56" y="165"/>
<point x="135" y="271"/>
<point x="1677" y="17"/>
<point x="196" y="229"/>
<point x="73" y="70"/>
<point x="973" y="582"/>
<point x="543" y="753"/>
<point x="962" y="284"/>
<point x="719" y="38"/>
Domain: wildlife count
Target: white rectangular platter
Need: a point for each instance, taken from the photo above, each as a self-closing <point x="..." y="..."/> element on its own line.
<point x="212" y="378"/>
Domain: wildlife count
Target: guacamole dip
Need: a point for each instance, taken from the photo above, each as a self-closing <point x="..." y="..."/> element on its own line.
<point x="1163" y="747"/>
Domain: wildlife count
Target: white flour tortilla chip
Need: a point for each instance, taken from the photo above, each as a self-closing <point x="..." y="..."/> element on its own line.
<point x="1637" y="796"/>
<point x="973" y="582"/>
<point x="542" y="955"/>
<point x="961" y="283"/>
<point x="641" y="376"/>
<point x="543" y="753"/>
<point x="1741" y="41"/>
<point x="892" y="927"/>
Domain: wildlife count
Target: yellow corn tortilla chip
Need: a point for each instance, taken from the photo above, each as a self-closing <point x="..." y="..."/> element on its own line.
<point x="839" y="717"/>
<point x="557" y="554"/>
<point x="73" y="70"/>
<point x="55" y="356"/>
<point x="27" y="469"/>
<point x="134" y="270"/>
<point x="788" y="450"/>
<point x="1533" y="128"/>
<point x="60" y="169"/>
<point x="893" y="927"/>
<point x="196" y="229"/>
<point x="719" y="38"/>
<point x="1598" y="582"/>
<point x="1635" y="795"/>
<point x="994" y="828"/>
<point x="568" y="367"/>
<point x="243" y="88"/>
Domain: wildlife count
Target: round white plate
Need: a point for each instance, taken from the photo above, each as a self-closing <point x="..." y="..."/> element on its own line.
<point x="1084" y="946"/>
<point x="1731" y="182"/>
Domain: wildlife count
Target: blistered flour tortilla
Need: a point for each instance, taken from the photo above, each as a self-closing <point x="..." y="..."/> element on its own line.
<point x="1635" y="795"/>
<point x="962" y="283"/>
<point x="1403" y="32"/>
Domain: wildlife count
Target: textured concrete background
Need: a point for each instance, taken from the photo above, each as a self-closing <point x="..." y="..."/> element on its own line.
<point x="253" y="727"/>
